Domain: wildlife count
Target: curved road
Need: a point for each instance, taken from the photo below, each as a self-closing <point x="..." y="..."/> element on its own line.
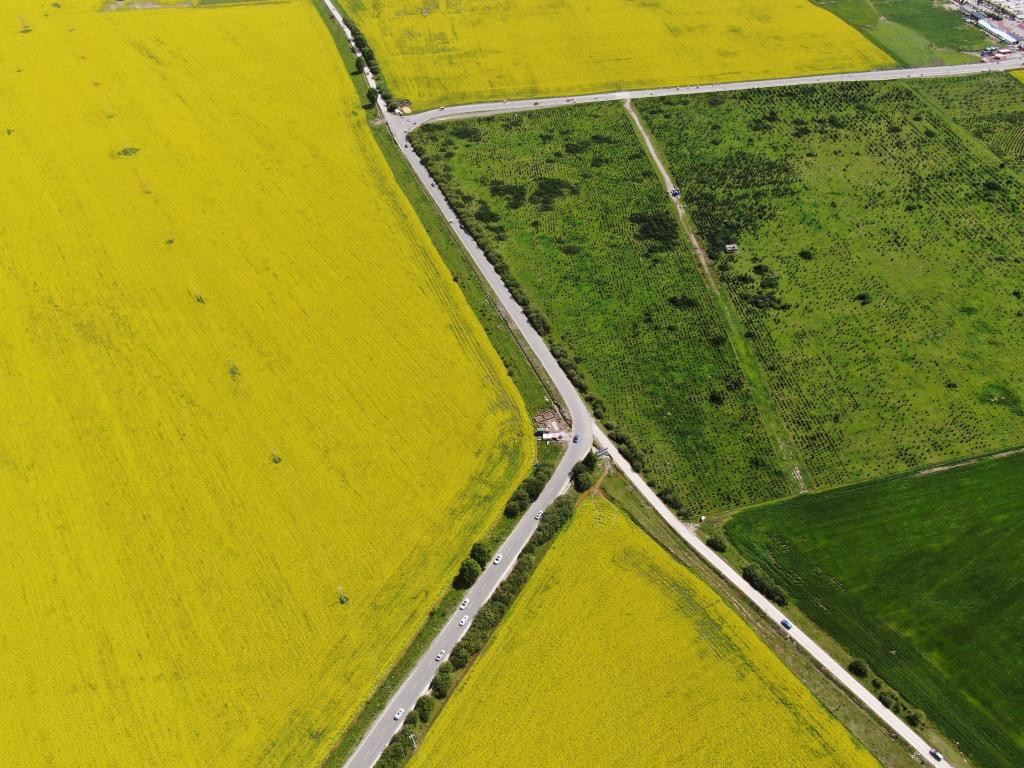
<point x="583" y="426"/>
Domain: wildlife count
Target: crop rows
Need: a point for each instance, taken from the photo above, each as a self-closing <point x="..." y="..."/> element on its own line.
<point x="567" y="205"/>
<point x="878" y="271"/>
<point x="990" y="108"/>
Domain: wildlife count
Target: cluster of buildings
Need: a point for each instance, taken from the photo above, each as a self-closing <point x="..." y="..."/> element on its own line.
<point x="1002" y="19"/>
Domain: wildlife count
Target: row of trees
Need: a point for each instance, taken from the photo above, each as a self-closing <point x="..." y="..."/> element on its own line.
<point x="524" y="496"/>
<point x="547" y="192"/>
<point x="484" y="623"/>
<point x="367" y="58"/>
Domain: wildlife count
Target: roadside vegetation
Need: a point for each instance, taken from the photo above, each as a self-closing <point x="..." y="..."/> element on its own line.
<point x="919" y="576"/>
<point x="610" y="631"/>
<point x="917" y="33"/>
<point x="485" y="620"/>
<point x="878" y="269"/>
<point x="568" y="208"/>
<point x="221" y="485"/>
<point x="460" y="53"/>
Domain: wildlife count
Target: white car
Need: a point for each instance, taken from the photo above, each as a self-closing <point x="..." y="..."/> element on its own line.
<point x="538" y="515"/>
<point x="399" y="713"/>
<point x="440" y="655"/>
<point x="463" y="604"/>
<point x="497" y="558"/>
<point x="463" y="620"/>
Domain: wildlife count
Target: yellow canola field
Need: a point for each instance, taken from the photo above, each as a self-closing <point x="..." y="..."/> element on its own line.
<point x="616" y="655"/>
<point x="1019" y="74"/>
<point x="207" y="265"/>
<point x="449" y="51"/>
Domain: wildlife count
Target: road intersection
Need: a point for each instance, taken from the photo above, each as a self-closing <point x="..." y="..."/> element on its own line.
<point x="584" y="426"/>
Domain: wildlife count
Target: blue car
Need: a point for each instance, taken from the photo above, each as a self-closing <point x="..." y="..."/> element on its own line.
<point x="786" y="624"/>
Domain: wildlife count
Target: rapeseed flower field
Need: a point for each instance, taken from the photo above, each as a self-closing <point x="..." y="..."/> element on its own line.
<point x="448" y="52"/>
<point x="615" y="654"/>
<point x="238" y="390"/>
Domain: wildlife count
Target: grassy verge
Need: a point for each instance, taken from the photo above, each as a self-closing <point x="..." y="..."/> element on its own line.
<point x="864" y="727"/>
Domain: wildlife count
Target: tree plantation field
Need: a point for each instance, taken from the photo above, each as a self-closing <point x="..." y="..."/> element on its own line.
<point x="249" y="429"/>
<point x="450" y="52"/>
<point x="879" y="269"/>
<point x="568" y="201"/>
<point x="611" y="633"/>
<point x="920" y="576"/>
<point x="993" y="114"/>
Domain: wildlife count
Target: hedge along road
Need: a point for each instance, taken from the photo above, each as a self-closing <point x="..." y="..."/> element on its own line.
<point x="585" y="428"/>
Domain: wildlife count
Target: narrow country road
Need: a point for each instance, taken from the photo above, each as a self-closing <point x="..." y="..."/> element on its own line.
<point x="773" y="423"/>
<point x="583" y="425"/>
<point x="410" y="122"/>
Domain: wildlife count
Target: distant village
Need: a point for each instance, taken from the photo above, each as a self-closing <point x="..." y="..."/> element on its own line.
<point x="1003" y="20"/>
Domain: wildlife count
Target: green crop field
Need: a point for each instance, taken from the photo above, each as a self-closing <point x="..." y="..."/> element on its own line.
<point x="567" y="202"/>
<point x="922" y="576"/>
<point x="915" y="32"/>
<point x="879" y="269"/>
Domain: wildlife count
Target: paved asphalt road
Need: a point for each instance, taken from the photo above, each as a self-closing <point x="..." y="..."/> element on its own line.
<point x="406" y="123"/>
<point x="416" y="684"/>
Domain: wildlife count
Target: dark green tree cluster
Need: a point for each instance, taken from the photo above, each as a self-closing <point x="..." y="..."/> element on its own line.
<point x="756" y="578"/>
<point x="529" y="489"/>
<point x="716" y="543"/>
<point x="585" y="473"/>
